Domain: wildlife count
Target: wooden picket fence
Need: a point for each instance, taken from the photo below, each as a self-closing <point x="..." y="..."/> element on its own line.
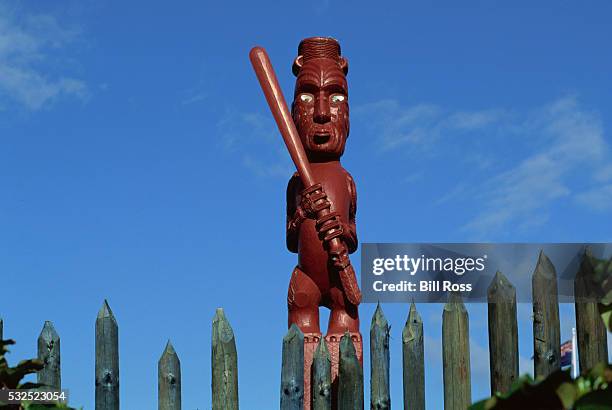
<point x="503" y="351"/>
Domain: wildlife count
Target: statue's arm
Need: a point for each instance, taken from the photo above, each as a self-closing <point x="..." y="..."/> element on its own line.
<point x="294" y="215"/>
<point x="350" y="229"/>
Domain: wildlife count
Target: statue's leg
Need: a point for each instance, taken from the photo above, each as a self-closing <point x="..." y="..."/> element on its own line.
<point x="303" y="301"/>
<point x="344" y="317"/>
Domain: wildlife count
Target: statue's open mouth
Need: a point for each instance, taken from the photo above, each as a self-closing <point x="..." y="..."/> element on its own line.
<point x="321" y="138"/>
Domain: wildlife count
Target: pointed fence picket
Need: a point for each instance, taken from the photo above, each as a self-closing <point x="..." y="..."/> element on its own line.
<point x="503" y="334"/>
<point x="590" y="328"/>
<point x="292" y="372"/>
<point x="107" y="360"/>
<point x="224" y="364"/>
<point x="49" y="354"/>
<point x="321" y="378"/>
<point x="546" y="327"/>
<point x="456" y="354"/>
<point x="169" y="380"/>
<point x="413" y="361"/>
<point x="350" y="376"/>
<point x="380" y="395"/>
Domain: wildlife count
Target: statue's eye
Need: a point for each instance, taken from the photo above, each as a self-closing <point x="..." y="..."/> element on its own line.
<point x="307" y="98"/>
<point x="336" y="98"/>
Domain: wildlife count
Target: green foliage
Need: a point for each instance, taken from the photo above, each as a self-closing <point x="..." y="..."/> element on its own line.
<point x="592" y="391"/>
<point x="29" y="406"/>
<point x="602" y="277"/>
<point x="599" y="285"/>
<point x="11" y="377"/>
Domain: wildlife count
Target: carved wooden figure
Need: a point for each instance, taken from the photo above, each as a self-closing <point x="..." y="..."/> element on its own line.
<point x="321" y="196"/>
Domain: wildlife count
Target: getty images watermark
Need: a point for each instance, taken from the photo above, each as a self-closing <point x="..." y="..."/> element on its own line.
<point x="426" y="272"/>
<point x="411" y="265"/>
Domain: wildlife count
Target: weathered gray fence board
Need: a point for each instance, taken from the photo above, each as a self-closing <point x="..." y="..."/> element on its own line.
<point x="224" y="364"/>
<point x="49" y="354"/>
<point x="350" y="377"/>
<point x="503" y="334"/>
<point x="546" y="333"/>
<point x="321" y="378"/>
<point x="107" y="360"/>
<point x="456" y="354"/>
<point x="413" y="361"/>
<point x="591" y="331"/>
<point x="169" y="380"/>
<point x="380" y="397"/>
<point x="292" y="372"/>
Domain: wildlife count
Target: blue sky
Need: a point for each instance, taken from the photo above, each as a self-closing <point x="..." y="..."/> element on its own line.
<point x="139" y="163"/>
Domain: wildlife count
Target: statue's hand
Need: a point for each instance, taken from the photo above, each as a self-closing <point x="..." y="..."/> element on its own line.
<point x="314" y="199"/>
<point x="330" y="227"/>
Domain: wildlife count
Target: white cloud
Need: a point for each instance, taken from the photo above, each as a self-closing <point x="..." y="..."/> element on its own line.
<point x="452" y="194"/>
<point x="520" y="192"/>
<point x="397" y="125"/>
<point x="195" y="94"/>
<point x="413" y="177"/>
<point x="555" y="145"/>
<point x="569" y="140"/>
<point x="264" y="169"/>
<point x="475" y="120"/>
<point x="321" y="6"/>
<point x="420" y="126"/>
<point x="244" y="134"/>
<point x="27" y="44"/>
<point x="604" y="174"/>
<point x="194" y="98"/>
<point x="599" y="199"/>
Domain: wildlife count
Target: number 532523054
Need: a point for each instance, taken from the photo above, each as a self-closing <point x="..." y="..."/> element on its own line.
<point x="15" y="396"/>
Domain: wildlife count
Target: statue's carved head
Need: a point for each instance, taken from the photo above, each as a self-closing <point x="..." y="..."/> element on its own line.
<point x="320" y="106"/>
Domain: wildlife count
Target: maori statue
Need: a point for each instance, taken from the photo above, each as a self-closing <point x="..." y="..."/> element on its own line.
<point x="321" y="196"/>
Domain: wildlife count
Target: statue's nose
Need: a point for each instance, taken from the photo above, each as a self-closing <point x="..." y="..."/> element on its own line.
<point x="321" y="114"/>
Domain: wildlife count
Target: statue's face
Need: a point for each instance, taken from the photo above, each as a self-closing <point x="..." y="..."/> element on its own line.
<point x="320" y="109"/>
